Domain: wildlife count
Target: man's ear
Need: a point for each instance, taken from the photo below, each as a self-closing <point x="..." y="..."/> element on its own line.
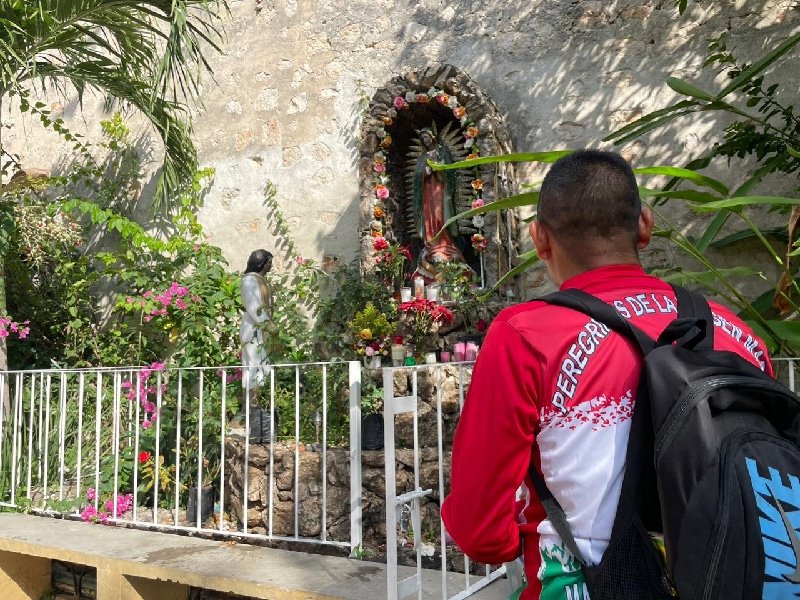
<point x="645" y="228"/>
<point x="541" y="240"/>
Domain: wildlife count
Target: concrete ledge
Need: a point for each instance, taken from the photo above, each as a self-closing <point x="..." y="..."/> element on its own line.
<point x="147" y="565"/>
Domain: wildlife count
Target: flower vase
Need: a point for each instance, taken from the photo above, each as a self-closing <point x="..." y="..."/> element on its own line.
<point x="206" y="504"/>
<point x="398" y="355"/>
<point x="372" y="362"/>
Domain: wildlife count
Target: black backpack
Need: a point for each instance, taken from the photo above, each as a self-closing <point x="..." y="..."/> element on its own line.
<point x="712" y="462"/>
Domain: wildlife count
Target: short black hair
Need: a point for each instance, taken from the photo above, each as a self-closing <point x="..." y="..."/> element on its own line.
<point x="257" y="260"/>
<point x="590" y="194"/>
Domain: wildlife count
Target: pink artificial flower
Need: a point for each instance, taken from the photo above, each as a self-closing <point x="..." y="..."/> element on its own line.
<point x="379" y="244"/>
<point x="478" y="203"/>
<point x="399" y="103"/>
<point x="381" y="191"/>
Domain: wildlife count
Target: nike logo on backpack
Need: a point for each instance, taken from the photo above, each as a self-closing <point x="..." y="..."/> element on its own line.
<point x="793" y="538"/>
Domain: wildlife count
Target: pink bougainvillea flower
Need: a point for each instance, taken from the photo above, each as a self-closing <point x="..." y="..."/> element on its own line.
<point x="89" y="514"/>
<point x="91" y="494"/>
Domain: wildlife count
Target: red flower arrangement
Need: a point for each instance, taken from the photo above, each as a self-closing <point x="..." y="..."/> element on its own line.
<point x="424" y="317"/>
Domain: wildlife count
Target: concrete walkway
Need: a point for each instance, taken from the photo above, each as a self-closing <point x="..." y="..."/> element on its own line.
<point x="133" y="564"/>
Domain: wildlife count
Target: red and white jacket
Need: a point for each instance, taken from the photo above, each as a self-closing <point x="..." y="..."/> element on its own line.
<point x="537" y="359"/>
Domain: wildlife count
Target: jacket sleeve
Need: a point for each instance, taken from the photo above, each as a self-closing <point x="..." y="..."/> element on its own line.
<point x="492" y="448"/>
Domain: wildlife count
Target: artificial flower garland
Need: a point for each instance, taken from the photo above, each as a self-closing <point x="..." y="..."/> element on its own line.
<point x="381" y="180"/>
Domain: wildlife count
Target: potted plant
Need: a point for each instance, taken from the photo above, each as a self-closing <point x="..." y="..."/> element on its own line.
<point x="372" y="420"/>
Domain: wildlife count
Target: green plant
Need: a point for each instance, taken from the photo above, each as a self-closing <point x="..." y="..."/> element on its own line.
<point x="348" y="292"/>
<point x="371" y="397"/>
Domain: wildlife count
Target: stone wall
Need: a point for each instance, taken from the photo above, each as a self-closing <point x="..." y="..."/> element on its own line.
<point x="308" y="487"/>
<point x="284" y="104"/>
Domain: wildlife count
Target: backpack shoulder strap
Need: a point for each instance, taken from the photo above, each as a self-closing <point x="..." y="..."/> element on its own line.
<point x="600" y="311"/>
<point x="694" y="327"/>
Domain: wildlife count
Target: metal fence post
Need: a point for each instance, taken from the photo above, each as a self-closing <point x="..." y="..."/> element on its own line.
<point x="355" y="457"/>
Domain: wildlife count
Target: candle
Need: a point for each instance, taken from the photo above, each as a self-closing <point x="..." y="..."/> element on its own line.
<point x="459" y="351"/>
<point x="419" y="288"/>
<point x="432" y="293"/>
<point x="445" y="356"/>
<point x="471" y="352"/>
<point x="405" y="294"/>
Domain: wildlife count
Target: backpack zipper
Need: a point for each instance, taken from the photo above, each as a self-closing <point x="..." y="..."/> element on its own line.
<point x="723" y="530"/>
<point x="695" y="392"/>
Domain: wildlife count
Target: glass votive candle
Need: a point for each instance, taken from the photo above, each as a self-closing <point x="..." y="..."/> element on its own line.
<point x="405" y="294"/>
<point x="445" y="356"/>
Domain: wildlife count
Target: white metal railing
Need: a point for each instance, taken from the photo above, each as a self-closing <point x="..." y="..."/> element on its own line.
<point x="453" y="586"/>
<point x="135" y="444"/>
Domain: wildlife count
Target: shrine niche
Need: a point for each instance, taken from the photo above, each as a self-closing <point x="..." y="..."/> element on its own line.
<point x="441" y="115"/>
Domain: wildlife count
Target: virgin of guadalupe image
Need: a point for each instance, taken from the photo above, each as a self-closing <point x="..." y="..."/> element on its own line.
<point x="434" y="195"/>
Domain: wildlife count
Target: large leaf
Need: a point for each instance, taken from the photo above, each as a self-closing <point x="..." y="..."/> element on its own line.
<point x="707" y="278"/>
<point x="777" y="232"/>
<point x="545" y="157"/>
<point x="757" y="67"/>
<point x="687" y="174"/>
<point x="777" y="334"/>
<point x="648" y="118"/>
<point x="691" y="195"/>
<point x="526" y="199"/>
<point x="527" y="260"/>
<point x="687" y="89"/>
<point x="736" y="204"/>
<point x="712" y="230"/>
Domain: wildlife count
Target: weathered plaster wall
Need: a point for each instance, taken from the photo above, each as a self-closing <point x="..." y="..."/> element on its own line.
<point x="284" y="106"/>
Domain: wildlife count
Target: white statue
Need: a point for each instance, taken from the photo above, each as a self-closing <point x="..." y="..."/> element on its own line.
<point x="257" y="300"/>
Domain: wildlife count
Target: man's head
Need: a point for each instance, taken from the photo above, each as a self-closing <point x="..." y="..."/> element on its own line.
<point x="590" y="214"/>
<point x="260" y="261"/>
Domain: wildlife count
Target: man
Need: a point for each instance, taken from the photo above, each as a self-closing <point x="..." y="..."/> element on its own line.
<point x="555" y="381"/>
